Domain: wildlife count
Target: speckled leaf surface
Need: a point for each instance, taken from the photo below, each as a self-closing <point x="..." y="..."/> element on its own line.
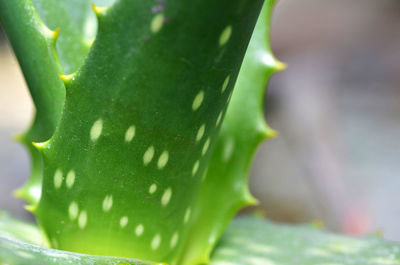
<point x="22" y="243"/>
<point x="74" y="26"/>
<point x="248" y="241"/>
<point x="225" y="188"/>
<point x="256" y="241"/>
<point x="126" y="162"/>
<point x="16" y="252"/>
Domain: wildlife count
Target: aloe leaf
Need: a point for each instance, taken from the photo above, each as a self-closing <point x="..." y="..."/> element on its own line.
<point x="22" y="243"/>
<point x="126" y="160"/>
<point x="40" y="66"/>
<point x="75" y="26"/>
<point x="19" y="230"/>
<point x="254" y="241"/>
<point x="16" y="252"/>
<point x="249" y="240"/>
<point x="225" y="188"/>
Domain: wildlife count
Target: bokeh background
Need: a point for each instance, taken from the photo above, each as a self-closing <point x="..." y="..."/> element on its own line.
<point x="336" y="107"/>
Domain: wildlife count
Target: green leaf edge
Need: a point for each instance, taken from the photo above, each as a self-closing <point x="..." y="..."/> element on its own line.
<point x="253" y="240"/>
<point x="251" y="84"/>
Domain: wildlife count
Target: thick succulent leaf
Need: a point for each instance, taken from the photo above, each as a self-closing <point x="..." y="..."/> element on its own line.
<point x="22" y="243"/>
<point x="19" y="230"/>
<point x="225" y="188"/>
<point x="255" y="241"/>
<point x="16" y="252"/>
<point x="76" y="26"/>
<point x="124" y="167"/>
<point x="40" y="66"/>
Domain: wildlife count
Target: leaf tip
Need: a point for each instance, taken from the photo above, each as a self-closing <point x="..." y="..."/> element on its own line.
<point x="89" y="43"/>
<point x="56" y="33"/>
<point x="271" y="133"/>
<point x="99" y="11"/>
<point x="40" y="146"/>
<point x="50" y="35"/>
<point x="66" y="78"/>
<point x="280" y="66"/>
<point x="30" y="208"/>
<point x="252" y="201"/>
<point x="19" y="193"/>
<point x="18" y="137"/>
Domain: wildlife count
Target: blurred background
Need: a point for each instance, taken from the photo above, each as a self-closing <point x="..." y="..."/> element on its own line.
<point x="336" y="107"/>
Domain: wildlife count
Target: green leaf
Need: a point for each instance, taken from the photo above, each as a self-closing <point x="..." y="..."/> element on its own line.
<point x="74" y="26"/>
<point x="40" y="66"/>
<point x="22" y="243"/>
<point x="16" y="252"/>
<point x="225" y="188"/>
<point x="15" y="229"/>
<point x="125" y="164"/>
<point x="254" y="241"/>
<point x="248" y="240"/>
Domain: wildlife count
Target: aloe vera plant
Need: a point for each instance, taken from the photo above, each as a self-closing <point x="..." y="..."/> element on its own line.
<point x="140" y="145"/>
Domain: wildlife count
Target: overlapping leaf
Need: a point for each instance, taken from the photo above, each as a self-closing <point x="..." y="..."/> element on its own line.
<point x="249" y="240"/>
<point x="40" y="66"/>
<point x="225" y="188"/>
<point x="77" y="24"/>
<point x="255" y="241"/>
<point x="22" y="243"/>
<point x="74" y="26"/>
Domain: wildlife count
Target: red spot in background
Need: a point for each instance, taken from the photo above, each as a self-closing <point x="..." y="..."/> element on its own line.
<point x="357" y="222"/>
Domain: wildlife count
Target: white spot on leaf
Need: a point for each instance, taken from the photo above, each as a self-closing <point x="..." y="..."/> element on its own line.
<point x="163" y="160"/>
<point x="205" y="146"/>
<point x="148" y="155"/>
<point x="73" y="210"/>
<point x="82" y="220"/>
<point x="124" y="221"/>
<point x="70" y="179"/>
<point x="107" y="203"/>
<point x="139" y="230"/>
<point x="198" y="100"/>
<point x="157" y="23"/>
<point x="155" y="243"/>
<point x="225" y="84"/>
<point x="225" y="35"/>
<point x="58" y="178"/>
<point x="204" y="174"/>
<point x="219" y="118"/>
<point x="187" y="215"/>
<point x="166" y="197"/>
<point x="96" y="129"/>
<point x="153" y="188"/>
<point x="174" y="240"/>
<point x="130" y="133"/>
<point x="200" y="132"/>
<point x="195" y="168"/>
